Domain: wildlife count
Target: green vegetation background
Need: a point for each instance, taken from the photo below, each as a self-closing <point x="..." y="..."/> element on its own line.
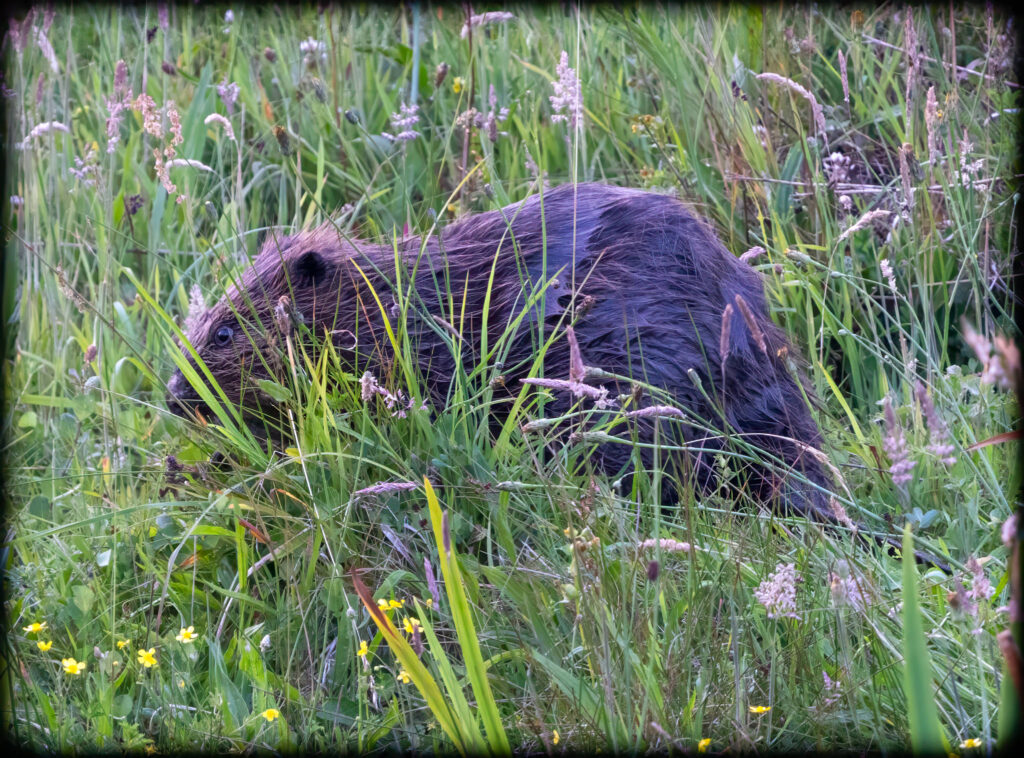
<point x="591" y="625"/>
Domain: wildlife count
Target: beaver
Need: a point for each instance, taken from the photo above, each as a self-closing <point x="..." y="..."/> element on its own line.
<point x="651" y="294"/>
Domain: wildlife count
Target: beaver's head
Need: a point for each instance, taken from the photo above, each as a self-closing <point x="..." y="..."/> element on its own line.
<point x="308" y="278"/>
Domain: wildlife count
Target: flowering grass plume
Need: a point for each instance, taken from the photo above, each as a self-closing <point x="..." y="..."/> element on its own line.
<point x="403" y="122"/>
<point x="895" y="444"/>
<point x="752" y="325"/>
<point x="868" y="218"/>
<point x="656" y="411"/>
<point x="40" y="129"/>
<point x="216" y="118"/>
<point x="117" y="104"/>
<point x="981" y="587"/>
<point x="844" y="78"/>
<point x="1008" y="531"/>
<point x="931" y="119"/>
<point x="577" y="373"/>
<point x="382" y="488"/>
<point x="668" y="545"/>
<point x="1000" y="358"/>
<point x="489" y="122"/>
<point x="483" y="19"/>
<point x="969" y="172"/>
<point x="396" y="403"/>
<point x="567" y="102"/>
<point x="816" y="110"/>
<point x="939" y="443"/>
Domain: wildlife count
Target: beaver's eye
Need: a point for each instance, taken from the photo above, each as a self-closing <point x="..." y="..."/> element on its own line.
<point x="222" y="337"/>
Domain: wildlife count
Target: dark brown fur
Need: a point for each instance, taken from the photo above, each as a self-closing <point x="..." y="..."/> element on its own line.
<point x="647" y="281"/>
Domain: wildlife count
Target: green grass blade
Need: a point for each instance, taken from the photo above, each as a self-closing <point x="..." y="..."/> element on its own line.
<point x="926" y="736"/>
<point x="464" y="628"/>
<point x="421" y="677"/>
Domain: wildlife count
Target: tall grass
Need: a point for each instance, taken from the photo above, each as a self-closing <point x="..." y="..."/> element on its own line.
<point x="572" y="614"/>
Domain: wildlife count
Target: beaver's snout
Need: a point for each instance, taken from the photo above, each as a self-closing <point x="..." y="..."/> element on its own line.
<point x="182" y="400"/>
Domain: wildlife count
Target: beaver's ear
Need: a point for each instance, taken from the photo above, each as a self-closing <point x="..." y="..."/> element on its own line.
<point x="310" y="267"/>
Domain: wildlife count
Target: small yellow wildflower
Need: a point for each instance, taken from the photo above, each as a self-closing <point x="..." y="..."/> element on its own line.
<point x="122" y="644"/>
<point x="181" y="684"/>
<point x="429" y="602"/>
<point x="383" y="603"/>
<point x="364" y="649"/>
<point x="403" y="676"/>
<point x="411" y="624"/>
<point x="35" y="627"/>
<point x="396" y="603"/>
<point x="187" y="635"/>
<point x="148" y="657"/>
<point x="44" y="646"/>
<point x="152" y="531"/>
<point x="702" y="746"/>
<point x="72" y="667"/>
<point x="971" y="743"/>
<point x="760" y="708"/>
<point x="270" y="714"/>
<point x="457" y="84"/>
<point x="554" y="737"/>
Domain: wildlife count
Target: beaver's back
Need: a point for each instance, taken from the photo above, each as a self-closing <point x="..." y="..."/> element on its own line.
<point x="653" y="282"/>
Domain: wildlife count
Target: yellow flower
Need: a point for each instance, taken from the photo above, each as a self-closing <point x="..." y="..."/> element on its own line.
<point x="760" y="708"/>
<point x="122" y="644"/>
<point x="382" y="604"/>
<point x="971" y="743"/>
<point x="187" y="635"/>
<point x="702" y="746"/>
<point x="364" y="649"/>
<point x="554" y="737"/>
<point x="148" y="657"/>
<point x="152" y="531"/>
<point x="396" y="603"/>
<point x="411" y="624"/>
<point x="403" y="676"/>
<point x="72" y="667"/>
<point x="35" y="627"/>
<point x="270" y="714"/>
<point x="181" y="684"/>
<point x="429" y="602"/>
<point x="457" y="84"/>
<point x="44" y="646"/>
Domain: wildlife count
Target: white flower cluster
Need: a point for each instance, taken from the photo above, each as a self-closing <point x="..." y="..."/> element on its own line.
<point x="777" y="593"/>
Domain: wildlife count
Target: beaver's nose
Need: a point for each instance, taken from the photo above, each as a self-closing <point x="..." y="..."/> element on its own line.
<point x="180" y="396"/>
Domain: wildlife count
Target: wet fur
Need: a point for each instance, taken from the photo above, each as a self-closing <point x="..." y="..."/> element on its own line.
<point x="651" y="283"/>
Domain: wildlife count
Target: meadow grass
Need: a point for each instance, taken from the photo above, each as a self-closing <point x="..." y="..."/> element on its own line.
<point x="226" y="595"/>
